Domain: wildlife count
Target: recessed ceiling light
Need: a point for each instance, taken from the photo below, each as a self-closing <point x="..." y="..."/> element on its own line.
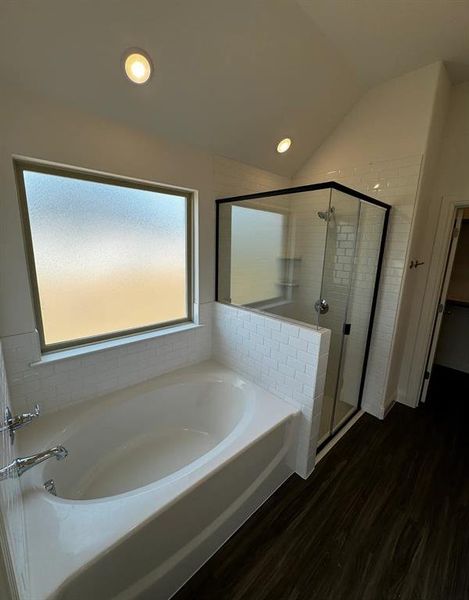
<point x="137" y="66"/>
<point x="283" y="145"/>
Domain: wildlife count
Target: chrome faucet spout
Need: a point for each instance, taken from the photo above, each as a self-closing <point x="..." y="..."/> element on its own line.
<point x="21" y="465"/>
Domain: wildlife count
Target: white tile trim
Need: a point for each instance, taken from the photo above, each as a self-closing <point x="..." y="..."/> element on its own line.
<point x="77" y="351"/>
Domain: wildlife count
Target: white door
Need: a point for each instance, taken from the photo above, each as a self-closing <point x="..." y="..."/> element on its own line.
<point x="441" y="302"/>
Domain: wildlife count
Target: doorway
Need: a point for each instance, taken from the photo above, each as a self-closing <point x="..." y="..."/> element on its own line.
<point x="448" y="358"/>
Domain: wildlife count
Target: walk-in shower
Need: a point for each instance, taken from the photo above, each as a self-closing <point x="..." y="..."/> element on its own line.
<point x="311" y="254"/>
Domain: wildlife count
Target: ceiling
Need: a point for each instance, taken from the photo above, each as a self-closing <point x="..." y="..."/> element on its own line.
<point x="385" y="38"/>
<point x="232" y="76"/>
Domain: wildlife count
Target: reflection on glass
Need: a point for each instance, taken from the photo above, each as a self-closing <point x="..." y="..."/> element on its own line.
<point x="257" y="246"/>
<point x="108" y="258"/>
<point x="271" y="253"/>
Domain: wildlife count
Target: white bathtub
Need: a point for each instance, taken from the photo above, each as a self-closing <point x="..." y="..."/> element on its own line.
<point x="158" y="477"/>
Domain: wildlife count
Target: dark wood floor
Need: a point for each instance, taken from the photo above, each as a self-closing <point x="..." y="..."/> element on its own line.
<point x="384" y="516"/>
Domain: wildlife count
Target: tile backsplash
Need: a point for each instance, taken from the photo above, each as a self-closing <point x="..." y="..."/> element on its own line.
<point x="12" y="526"/>
<point x="287" y="359"/>
<point x="64" y="382"/>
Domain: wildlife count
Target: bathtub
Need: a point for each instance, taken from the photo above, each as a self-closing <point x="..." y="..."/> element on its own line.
<point x="158" y="477"/>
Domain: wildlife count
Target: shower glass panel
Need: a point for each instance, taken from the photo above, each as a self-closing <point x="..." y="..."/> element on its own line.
<point x="310" y="254"/>
<point x="342" y="219"/>
<point x="360" y="302"/>
<point x="271" y="253"/>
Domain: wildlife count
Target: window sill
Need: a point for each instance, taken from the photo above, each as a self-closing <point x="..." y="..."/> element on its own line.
<point x="79" y="351"/>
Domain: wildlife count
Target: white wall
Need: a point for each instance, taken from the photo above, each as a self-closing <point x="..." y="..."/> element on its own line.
<point x="390" y="121"/>
<point x="231" y="178"/>
<point x="36" y="128"/>
<point x="450" y="189"/>
<point x="381" y="142"/>
<point x="406" y="344"/>
<point x="453" y="174"/>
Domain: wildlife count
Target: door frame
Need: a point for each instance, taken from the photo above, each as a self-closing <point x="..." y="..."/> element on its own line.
<point x="438" y="318"/>
<point x="441" y="244"/>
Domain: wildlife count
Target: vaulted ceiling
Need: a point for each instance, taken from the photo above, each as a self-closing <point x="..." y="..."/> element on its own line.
<point x="232" y="76"/>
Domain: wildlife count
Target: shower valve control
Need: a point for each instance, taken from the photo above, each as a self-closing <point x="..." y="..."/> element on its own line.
<point x="321" y="306"/>
<point x="12" y="423"/>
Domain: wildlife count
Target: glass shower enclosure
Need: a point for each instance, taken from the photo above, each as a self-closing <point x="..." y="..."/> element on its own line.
<point x="313" y="255"/>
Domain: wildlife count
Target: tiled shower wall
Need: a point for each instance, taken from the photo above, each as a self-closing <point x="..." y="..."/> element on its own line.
<point x="12" y="528"/>
<point x="286" y="359"/>
<point x="232" y="178"/>
<point x="337" y="273"/>
<point x="65" y="382"/>
<point x="396" y="183"/>
<point x="309" y="237"/>
<point x="363" y="277"/>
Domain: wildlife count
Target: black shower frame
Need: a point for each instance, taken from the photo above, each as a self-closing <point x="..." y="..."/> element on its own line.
<point x="311" y="188"/>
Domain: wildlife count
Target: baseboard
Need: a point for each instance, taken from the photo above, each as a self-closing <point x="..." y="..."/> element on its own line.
<point x="388" y="408"/>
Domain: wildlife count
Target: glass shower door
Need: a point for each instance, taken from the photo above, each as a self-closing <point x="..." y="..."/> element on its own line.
<point x="351" y="259"/>
<point x="342" y="218"/>
<point x="359" y="309"/>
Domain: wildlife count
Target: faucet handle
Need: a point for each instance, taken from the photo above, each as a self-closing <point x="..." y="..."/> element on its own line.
<point x="12" y="423"/>
<point x="19" y="421"/>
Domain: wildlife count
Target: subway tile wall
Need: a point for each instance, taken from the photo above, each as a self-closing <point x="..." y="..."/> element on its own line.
<point x="12" y="527"/>
<point x="286" y="359"/>
<point x="396" y="183"/>
<point x="308" y="234"/>
<point x="232" y="178"/>
<point x="65" y="382"/>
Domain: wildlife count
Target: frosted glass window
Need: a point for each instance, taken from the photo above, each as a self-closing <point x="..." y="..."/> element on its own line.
<point x="108" y="258"/>
<point x="257" y="240"/>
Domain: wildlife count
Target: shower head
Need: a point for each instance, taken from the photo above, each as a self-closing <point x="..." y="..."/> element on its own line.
<point x="326" y="214"/>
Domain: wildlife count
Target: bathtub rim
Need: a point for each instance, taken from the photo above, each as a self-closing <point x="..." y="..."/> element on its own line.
<point x="35" y="502"/>
<point x="157" y="483"/>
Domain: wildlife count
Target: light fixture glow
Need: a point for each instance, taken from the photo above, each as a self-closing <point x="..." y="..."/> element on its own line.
<point x="137" y="66"/>
<point x="283" y="145"/>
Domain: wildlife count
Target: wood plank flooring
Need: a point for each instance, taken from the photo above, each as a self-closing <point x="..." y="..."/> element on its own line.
<point x="385" y="516"/>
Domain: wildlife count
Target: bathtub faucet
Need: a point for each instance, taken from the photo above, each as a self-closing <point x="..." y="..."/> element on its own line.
<point x="21" y="465"/>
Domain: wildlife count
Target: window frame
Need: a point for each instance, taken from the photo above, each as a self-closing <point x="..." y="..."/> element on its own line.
<point x="21" y="165"/>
